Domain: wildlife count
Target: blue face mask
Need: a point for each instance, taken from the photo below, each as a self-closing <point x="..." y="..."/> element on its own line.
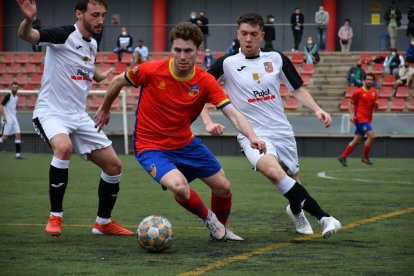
<point x="393" y="53"/>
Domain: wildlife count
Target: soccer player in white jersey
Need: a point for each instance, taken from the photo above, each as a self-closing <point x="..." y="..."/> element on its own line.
<point x="10" y="125"/>
<point x="252" y="80"/>
<point x="60" y="113"/>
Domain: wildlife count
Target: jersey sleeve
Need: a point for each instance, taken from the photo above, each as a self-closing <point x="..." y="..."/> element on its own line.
<point x="57" y="35"/>
<point x="216" y="69"/>
<point x="216" y="95"/>
<point x="289" y="75"/>
<point x="134" y="75"/>
<point x="5" y="100"/>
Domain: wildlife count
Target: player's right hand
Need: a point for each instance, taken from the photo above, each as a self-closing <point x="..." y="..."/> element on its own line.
<point x="258" y="144"/>
<point x="101" y="118"/>
<point x="215" y="129"/>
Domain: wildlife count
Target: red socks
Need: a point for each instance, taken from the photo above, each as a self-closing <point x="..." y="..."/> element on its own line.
<point x="367" y="149"/>
<point x="195" y="205"/>
<point x="221" y="207"/>
<point x="347" y="151"/>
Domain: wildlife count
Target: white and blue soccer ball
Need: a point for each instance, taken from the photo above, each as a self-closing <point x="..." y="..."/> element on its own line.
<point x="155" y="233"/>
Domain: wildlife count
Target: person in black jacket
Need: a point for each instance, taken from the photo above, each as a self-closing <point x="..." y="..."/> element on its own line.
<point x="270" y="32"/>
<point x="202" y="23"/>
<point x="296" y="20"/>
<point x="123" y="43"/>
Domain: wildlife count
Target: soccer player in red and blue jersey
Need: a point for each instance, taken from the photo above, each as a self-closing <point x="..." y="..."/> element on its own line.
<point x="361" y="108"/>
<point x="173" y="93"/>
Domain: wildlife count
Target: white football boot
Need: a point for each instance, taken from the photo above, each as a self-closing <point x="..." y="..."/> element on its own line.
<point x="330" y="226"/>
<point x="302" y="224"/>
<point x="217" y="229"/>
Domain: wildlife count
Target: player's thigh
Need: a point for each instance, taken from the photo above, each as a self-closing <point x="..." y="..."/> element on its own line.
<point x="7" y="129"/>
<point x="218" y="183"/>
<point x="156" y="163"/>
<point x="47" y="126"/>
<point x="15" y="125"/>
<point x="286" y="150"/>
<point x="87" y="139"/>
<point x="253" y="155"/>
<point x="175" y="181"/>
<point x="107" y="160"/>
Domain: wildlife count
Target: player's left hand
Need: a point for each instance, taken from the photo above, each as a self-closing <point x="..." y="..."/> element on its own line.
<point x="324" y="117"/>
<point x="101" y="118"/>
<point x="258" y="144"/>
<point x="215" y="129"/>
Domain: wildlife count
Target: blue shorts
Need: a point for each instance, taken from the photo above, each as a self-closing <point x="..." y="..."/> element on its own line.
<point x="193" y="161"/>
<point x="362" y="128"/>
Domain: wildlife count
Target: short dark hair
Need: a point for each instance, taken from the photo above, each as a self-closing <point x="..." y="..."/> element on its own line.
<point x="14" y="82"/>
<point x="251" y="18"/>
<point x="370" y="75"/>
<point x="82" y="5"/>
<point x="187" y="31"/>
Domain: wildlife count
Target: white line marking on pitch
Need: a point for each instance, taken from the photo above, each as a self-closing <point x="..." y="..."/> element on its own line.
<point x="323" y="174"/>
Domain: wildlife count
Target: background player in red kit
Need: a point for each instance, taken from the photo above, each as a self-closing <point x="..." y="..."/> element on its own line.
<point x="361" y="108"/>
<point x="173" y="93"/>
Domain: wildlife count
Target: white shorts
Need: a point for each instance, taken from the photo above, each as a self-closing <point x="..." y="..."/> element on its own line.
<point x="10" y="127"/>
<point x="80" y="128"/>
<point x="283" y="148"/>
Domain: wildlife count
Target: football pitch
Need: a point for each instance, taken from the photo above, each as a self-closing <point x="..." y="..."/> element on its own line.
<point x="375" y="205"/>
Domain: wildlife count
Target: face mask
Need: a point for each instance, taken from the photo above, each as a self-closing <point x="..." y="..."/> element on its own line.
<point x="310" y="42"/>
<point x="359" y="65"/>
<point x="393" y="53"/>
<point x="233" y="44"/>
<point x="124" y="33"/>
<point x="271" y="20"/>
<point x="193" y="16"/>
<point x="321" y="10"/>
<point x="412" y="43"/>
<point x="208" y="54"/>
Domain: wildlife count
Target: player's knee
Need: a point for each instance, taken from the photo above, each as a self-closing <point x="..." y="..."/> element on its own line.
<point x="274" y="173"/>
<point x="223" y="189"/>
<point x="181" y="190"/>
<point x="63" y="151"/>
<point x="114" y="167"/>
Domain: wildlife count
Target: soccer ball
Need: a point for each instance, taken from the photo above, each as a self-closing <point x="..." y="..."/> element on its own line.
<point x="155" y="233"/>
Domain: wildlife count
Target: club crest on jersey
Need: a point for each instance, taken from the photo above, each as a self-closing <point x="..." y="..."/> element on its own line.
<point x="268" y="66"/>
<point x="256" y="77"/>
<point x="193" y="91"/>
<point x="86" y="58"/>
<point x="134" y="70"/>
<point x="152" y="170"/>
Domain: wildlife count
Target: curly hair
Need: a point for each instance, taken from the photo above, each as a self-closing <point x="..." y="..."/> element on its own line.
<point x="187" y="31"/>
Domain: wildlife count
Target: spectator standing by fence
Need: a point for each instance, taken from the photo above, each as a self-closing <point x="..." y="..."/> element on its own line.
<point x="269" y="32"/>
<point x="297" y="20"/>
<point x="321" y="20"/>
<point x="392" y="18"/>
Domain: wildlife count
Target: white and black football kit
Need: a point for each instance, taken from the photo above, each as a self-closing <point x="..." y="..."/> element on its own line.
<point x="66" y="81"/>
<point x="9" y="104"/>
<point x="253" y="85"/>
